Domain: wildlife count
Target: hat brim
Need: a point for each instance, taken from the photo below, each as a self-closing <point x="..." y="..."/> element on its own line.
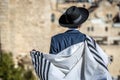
<point x="84" y="13"/>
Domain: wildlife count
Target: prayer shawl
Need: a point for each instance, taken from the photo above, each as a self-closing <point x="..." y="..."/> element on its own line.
<point x="82" y="61"/>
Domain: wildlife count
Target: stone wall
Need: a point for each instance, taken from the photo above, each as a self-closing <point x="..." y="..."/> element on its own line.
<point x="25" y="25"/>
<point x="4" y="31"/>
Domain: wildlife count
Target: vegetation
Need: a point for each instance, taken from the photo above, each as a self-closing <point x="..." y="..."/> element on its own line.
<point x="8" y="72"/>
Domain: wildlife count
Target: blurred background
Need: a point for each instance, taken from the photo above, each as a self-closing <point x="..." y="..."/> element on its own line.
<point x="29" y="24"/>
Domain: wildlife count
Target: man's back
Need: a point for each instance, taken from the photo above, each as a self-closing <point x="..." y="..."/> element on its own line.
<point x="62" y="41"/>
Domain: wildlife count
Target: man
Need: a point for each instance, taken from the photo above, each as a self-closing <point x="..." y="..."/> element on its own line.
<point x="72" y="19"/>
<point x="77" y="57"/>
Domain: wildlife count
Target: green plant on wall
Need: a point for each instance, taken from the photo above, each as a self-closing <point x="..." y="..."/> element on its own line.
<point x="8" y="72"/>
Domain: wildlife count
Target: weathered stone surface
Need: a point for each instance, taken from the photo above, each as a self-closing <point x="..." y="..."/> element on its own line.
<point x="25" y="25"/>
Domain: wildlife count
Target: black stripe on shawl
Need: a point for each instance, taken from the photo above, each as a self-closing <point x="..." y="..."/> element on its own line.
<point x="96" y="54"/>
<point x="101" y="64"/>
<point x="90" y="45"/>
<point x="44" y="69"/>
<point x="48" y="70"/>
<point x="41" y="66"/>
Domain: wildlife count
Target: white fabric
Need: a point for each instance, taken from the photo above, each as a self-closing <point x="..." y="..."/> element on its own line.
<point x="77" y="62"/>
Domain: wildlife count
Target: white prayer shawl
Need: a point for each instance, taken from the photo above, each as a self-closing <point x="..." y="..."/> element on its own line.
<point x="82" y="61"/>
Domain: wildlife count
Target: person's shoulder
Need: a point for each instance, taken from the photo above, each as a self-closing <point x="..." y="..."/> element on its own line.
<point x="89" y="37"/>
<point x="57" y="36"/>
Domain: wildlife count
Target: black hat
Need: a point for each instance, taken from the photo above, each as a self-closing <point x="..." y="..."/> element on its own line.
<point x="73" y="17"/>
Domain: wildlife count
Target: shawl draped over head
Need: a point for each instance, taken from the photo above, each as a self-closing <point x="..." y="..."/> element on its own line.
<point x="81" y="61"/>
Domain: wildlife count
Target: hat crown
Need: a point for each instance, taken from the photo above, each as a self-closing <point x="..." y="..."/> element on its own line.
<point x="72" y="13"/>
<point x="73" y="17"/>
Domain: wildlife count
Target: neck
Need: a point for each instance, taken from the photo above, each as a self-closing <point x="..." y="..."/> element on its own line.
<point x="73" y="29"/>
